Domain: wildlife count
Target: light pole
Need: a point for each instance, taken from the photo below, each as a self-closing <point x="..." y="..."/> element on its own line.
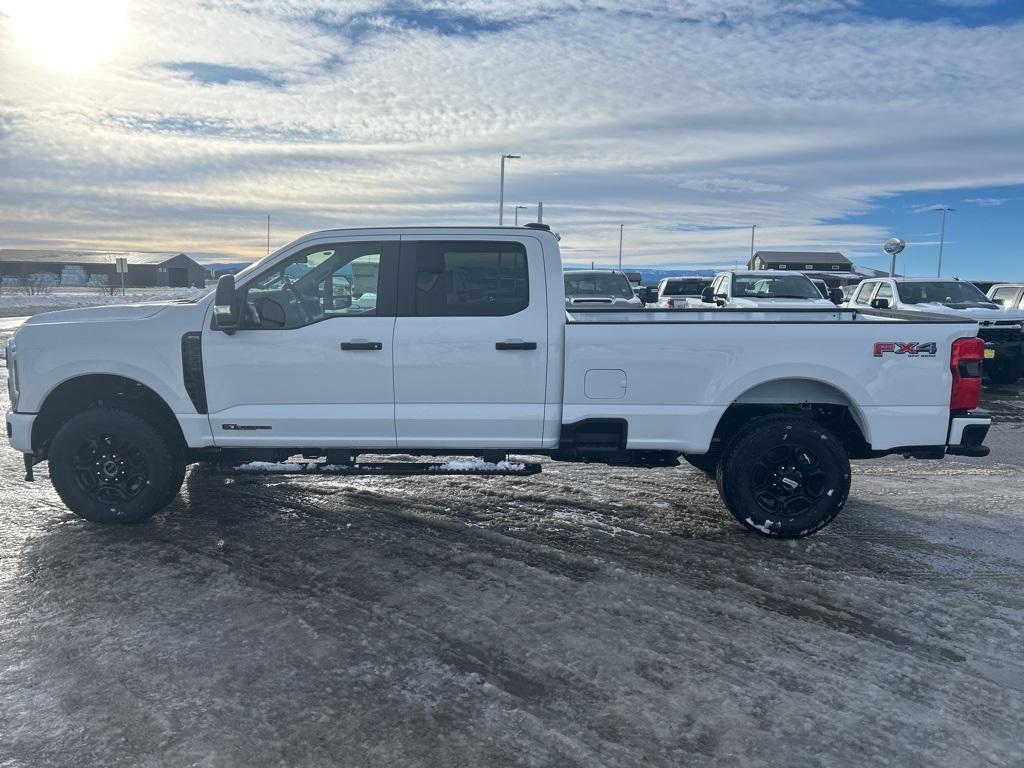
<point x="942" y="237"/>
<point x="518" y="209"/>
<point x="621" y="227"/>
<point x="501" y="193"/>
<point x="752" y="228"/>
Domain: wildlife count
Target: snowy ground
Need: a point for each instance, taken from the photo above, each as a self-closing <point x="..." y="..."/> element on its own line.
<point x="588" y="616"/>
<point x="19" y="304"/>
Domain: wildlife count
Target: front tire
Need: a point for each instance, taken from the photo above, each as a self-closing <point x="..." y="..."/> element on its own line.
<point x="111" y="466"/>
<point x="786" y="477"/>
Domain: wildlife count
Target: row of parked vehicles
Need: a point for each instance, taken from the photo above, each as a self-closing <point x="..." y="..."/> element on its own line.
<point x="999" y="314"/>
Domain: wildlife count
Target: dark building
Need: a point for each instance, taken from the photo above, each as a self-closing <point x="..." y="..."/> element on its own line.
<point x="76" y="268"/>
<point x="801" y="261"/>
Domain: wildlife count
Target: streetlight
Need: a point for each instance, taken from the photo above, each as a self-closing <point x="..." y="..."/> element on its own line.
<point x="942" y="237"/>
<point x="501" y="193"/>
<point x="518" y="209"/>
<point x="621" y="226"/>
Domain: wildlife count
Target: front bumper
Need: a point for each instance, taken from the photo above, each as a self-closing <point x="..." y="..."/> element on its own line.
<point x="19" y="430"/>
<point x="967" y="432"/>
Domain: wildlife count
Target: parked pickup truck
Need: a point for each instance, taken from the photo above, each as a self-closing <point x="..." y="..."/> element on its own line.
<point x="1001" y="329"/>
<point x="778" y="289"/>
<point x="599" y="287"/>
<point x="455" y="341"/>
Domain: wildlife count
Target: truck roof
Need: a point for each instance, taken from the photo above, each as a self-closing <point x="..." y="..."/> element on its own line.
<point x="920" y="279"/>
<point x="493" y="230"/>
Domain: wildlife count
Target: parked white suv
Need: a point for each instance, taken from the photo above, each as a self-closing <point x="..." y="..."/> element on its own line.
<point x="765" y="288"/>
<point x="599" y="288"/>
<point x="1000" y="328"/>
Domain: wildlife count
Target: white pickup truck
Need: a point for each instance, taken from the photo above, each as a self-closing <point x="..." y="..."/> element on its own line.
<point x="455" y="341"/>
<point x="767" y="288"/>
<point x="1002" y="329"/>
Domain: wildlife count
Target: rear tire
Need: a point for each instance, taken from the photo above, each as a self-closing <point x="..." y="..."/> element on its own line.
<point x="111" y="466"/>
<point x="785" y="477"/>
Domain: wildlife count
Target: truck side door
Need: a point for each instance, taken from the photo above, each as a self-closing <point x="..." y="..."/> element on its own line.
<point x="311" y="364"/>
<point x="471" y="342"/>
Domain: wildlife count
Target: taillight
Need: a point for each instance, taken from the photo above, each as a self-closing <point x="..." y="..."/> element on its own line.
<point x="965" y="364"/>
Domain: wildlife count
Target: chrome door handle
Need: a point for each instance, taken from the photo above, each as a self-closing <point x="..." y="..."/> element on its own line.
<point x="371" y="345"/>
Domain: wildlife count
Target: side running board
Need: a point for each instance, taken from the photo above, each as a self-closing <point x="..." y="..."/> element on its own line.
<point x="401" y="468"/>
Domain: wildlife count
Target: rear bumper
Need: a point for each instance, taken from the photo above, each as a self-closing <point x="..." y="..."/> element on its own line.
<point x="967" y="433"/>
<point x="19" y="430"/>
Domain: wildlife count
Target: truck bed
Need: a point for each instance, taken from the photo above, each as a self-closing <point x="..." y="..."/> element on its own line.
<point x="674" y="378"/>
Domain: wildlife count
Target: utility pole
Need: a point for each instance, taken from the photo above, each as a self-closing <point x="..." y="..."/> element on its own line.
<point x="942" y="237"/>
<point x="540" y="213"/>
<point x="268" y="233"/>
<point x="752" y="228"/>
<point x="501" y="191"/>
<point x="621" y="226"/>
<point x="518" y="209"/>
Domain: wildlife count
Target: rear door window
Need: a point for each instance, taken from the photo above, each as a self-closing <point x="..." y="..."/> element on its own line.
<point x="467" y="279"/>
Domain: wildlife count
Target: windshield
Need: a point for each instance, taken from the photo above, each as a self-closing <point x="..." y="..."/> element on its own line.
<point x="613" y="284"/>
<point x="940" y="292"/>
<point x="773" y="287"/>
<point x="685" y="287"/>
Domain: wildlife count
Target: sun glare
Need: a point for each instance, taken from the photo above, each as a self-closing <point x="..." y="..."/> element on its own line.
<point x="70" y="36"/>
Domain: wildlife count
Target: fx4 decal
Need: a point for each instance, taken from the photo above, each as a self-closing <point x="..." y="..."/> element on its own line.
<point x="912" y="348"/>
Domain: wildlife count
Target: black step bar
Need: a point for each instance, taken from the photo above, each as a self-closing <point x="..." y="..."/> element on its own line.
<point x="398" y="468"/>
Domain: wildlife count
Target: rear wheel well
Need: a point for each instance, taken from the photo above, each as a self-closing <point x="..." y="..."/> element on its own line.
<point x="102" y="390"/>
<point x="837" y="419"/>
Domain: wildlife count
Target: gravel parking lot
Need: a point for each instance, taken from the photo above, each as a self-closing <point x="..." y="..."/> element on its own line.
<point x="589" y="616"/>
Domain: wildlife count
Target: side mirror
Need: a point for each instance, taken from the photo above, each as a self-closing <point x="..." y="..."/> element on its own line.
<point x="836" y="296"/>
<point x="879" y="303"/>
<point x="225" y="305"/>
<point x="707" y="295"/>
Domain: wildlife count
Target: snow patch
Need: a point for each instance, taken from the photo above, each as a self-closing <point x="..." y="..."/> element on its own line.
<point x="765" y="528"/>
<point x="479" y="465"/>
<point x="271" y="466"/>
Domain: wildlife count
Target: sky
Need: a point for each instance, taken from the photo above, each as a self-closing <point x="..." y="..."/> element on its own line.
<point x="830" y="124"/>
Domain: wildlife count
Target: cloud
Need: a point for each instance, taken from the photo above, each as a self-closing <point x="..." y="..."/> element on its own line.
<point x="686" y="121"/>
<point x="727" y="185"/>
<point x="989" y="202"/>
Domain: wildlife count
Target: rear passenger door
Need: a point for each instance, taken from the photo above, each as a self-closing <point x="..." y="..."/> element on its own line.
<point x="470" y="343"/>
